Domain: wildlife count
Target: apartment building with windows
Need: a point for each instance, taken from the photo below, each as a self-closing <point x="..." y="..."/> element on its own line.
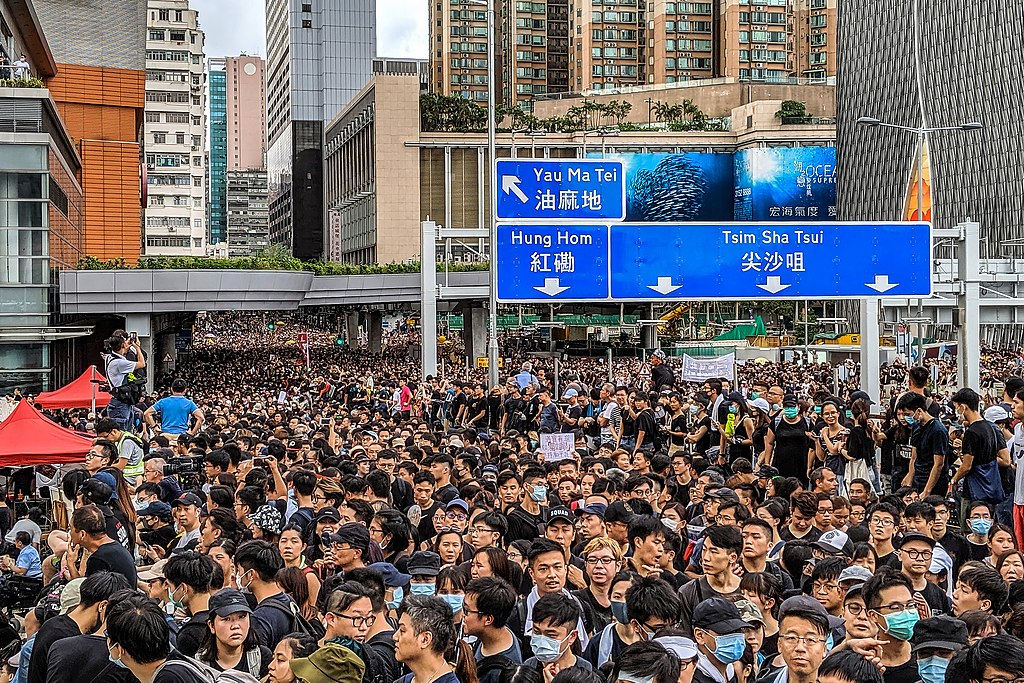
<point x="175" y="132"/>
<point x="555" y="46"/>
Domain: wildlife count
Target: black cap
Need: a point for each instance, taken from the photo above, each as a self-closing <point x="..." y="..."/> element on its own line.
<point x="424" y="563"/>
<point x="767" y="472"/>
<point x="857" y="395"/>
<point x="806" y="603"/>
<point x="188" y="498"/>
<point x="942" y="632"/>
<point x="228" y="601"/>
<point x="156" y="508"/>
<point x="724" y="494"/>
<point x="328" y="514"/>
<point x="619" y="512"/>
<point x="914" y="536"/>
<point x="718" y="615"/>
<point x="353" y="533"/>
<point x="560" y="514"/>
<point x="790" y="401"/>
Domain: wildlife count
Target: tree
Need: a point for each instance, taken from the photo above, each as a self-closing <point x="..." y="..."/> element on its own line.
<point x="618" y="110"/>
<point x="791" y="109"/>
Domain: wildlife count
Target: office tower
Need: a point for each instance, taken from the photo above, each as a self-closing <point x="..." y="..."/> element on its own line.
<point x="319" y="54"/>
<point x="238" y="135"/>
<point x="248" y="227"/>
<point x="40" y="213"/>
<point x="99" y="88"/>
<point x="554" y="46"/>
<point x="175" y="131"/>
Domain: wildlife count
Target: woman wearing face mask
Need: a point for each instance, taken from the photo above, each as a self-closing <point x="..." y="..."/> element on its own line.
<point x="788" y="445"/>
<point x="979" y="523"/>
<point x="451" y="587"/>
<point x="699" y="437"/>
<point x="292" y="646"/>
<point x="230" y="642"/>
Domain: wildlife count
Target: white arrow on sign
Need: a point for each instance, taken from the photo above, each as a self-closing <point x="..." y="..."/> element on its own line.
<point x="551" y="287"/>
<point x="664" y="286"/>
<point x="510" y="183"/>
<point x="774" y="285"/>
<point x="882" y="284"/>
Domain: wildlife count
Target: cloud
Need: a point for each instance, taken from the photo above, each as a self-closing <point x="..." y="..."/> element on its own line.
<point x="236" y="26"/>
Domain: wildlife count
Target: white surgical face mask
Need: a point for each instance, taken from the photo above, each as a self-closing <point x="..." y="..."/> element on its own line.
<point x="671" y="524"/>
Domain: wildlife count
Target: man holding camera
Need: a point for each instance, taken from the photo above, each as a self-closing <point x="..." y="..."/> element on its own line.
<point x="125" y="389"/>
<point x="175" y="411"/>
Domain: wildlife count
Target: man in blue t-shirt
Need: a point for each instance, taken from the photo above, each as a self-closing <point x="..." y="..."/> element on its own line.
<point x="175" y="411"/>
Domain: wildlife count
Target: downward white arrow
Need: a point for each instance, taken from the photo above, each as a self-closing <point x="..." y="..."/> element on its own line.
<point x="773" y="285"/>
<point x="551" y="287"/>
<point x="664" y="286"/>
<point x="882" y="284"/>
<point x="510" y="183"/>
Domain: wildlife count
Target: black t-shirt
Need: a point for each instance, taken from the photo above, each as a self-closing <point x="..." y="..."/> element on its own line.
<point x="271" y="623"/>
<point x="904" y="673"/>
<point x="458" y="402"/>
<point x="811" y="536"/>
<point x="112" y="557"/>
<point x="704" y="443"/>
<point x="573" y="413"/>
<point x="162" y="537"/>
<point x="192" y="632"/>
<point x="789" y="454"/>
<point x="936" y="598"/>
<point x="77" y="659"/>
<point x="957" y="547"/>
<point x="646" y="423"/>
<point x="446" y="493"/>
<point x="980" y="441"/>
<point x="426" y="526"/>
<point x="522" y="525"/>
<point x="932" y="443"/>
<point x="662" y="377"/>
<point x="263" y="654"/>
<point x="602" y="615"/>
<point x="54" y="629"/>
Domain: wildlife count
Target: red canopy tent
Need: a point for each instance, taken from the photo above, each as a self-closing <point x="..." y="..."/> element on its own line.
<point x="28" y="438"/>
<point x="78" y="394"/>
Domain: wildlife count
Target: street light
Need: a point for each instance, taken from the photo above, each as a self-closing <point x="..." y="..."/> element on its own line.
<point x="607" y="131"/>
<point x="492" y="228"/>
<point x="650" y="108"/>
<point x="921" y="133"/>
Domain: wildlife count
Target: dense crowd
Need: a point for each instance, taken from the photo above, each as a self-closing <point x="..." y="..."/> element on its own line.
<point x="259" y="518"/>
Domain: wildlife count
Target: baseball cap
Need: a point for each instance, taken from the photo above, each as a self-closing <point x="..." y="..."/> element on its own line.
<point x="228" y="601"/>
<point x="156" y="508"/>
<point x="328" y="514"/>
<point x="858" y="395"/>
<point x="681" y="646"/>
<point x="392" y="577"/>
<point x="153" y="573"/>
<point x="941" y="632"/>
<point x="718" y="615"/>
<point x="353" y="533"/>
<point x="833" y="542"/>
<point x="71" y="595"/>
<point x="559" y="514"/>
<point x="424" y="563"/>
<point x="914" y="536"/>
<point x="598" y="509"/>
<point x="457" y="503"/>
<point x="996" y="414"/>
<point x="108" y="479"/>
<point x="724" y="494"/>
<point x="767" y="472"/>
<point x="619" y="512"/>
<point x="570" y="393"/>
<point x="750" y="612"/>
<point x="188" y="498"/>
<point x="790" y="401"/>
<point x="855" y="573"/>
<point x="805" y="603"/>
<point x="761" y="404"/>
<point x="456" y="442"/>
<point x="332" y="663"/>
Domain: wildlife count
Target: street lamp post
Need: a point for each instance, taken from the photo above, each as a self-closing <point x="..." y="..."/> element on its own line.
<point x="922" y="136"/>
<point x="650" y="108"/>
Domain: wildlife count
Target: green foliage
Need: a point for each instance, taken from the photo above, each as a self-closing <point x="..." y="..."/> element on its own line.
<point x="21" y="83"/>
<point x="272" y="259"/>
<point x="791" y="109"/>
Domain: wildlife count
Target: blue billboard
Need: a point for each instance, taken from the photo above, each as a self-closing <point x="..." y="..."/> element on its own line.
<point x="785" y="184"/>
<point x="772" y="184"/>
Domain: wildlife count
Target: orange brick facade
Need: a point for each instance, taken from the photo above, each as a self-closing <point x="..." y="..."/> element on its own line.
<point x="102" y="109"/>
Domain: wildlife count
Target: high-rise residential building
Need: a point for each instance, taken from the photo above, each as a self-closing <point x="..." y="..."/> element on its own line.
<point x="555" y="46"/>
<point x="238" y="133"/>
<point x="40" y="214"/>
<point x="248" y="229"/>
<point x="968" y="175"/>
<point x="175" y="131"/>
<point x="99" y="88"/>
<point x="319" y="55"/>
<point x="217" y="168"/>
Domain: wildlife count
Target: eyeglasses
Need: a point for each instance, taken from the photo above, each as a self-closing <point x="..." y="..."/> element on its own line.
<point x="917" y="554"/>
<point x="898" y="607"/>
<point x="792" y="639"/>
<point x="606" y="561"/>
<point x="482" y="530"/>
<point x="882" y="522"/>
<point x="357" y="621"/>
<point x="457" y="516"/>
<point x="826" y="586"/>
<point x="855" y="608"/>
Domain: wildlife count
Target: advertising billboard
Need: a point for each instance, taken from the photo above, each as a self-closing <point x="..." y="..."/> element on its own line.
<point x="785" y="184"/>
<point x="693" y="186"/>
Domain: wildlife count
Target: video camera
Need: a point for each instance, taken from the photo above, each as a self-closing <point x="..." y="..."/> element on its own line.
<point x="183" y="466"/>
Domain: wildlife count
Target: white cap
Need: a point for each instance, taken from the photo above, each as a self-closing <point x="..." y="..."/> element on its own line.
<point x="855" y="573"/>
<point x="680" y="646"/>
<point x="996" y="414"/>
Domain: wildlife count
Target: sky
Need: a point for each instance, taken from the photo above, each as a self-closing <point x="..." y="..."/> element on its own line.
<point x="236" y="26"/>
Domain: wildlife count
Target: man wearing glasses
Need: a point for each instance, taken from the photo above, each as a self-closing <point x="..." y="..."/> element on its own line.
<point x="882" y="527"/>
<point x="889" y="598"/>
<point x="916" y="551"/>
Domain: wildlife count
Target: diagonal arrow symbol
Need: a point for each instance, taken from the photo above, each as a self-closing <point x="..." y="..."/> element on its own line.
<point x="510" y="183"/>
<point x="882" y="284"/>
<point x="551" y="287"/>
<point x="774" y="285"/>
<point x="664" y="286"/>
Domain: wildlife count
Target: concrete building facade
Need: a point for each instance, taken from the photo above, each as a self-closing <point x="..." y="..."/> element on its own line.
<point x="99" y="88"/>
<point x="319" y="54"/>
<point x="248" y="230"/>
<point x="175" y="131"/>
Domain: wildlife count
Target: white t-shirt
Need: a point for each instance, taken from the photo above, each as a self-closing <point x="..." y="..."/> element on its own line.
<point x="24" y="525"/>
<point x="1017" y="455"/>
<point x="118" y="367"/>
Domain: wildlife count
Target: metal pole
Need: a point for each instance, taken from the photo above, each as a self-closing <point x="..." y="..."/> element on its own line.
<point x="807" y="321"/>
<point x="610" y="375"/>
<point x="492" y="300"/>
<point x="92" y="388"/>
<point x="428" y="299"/>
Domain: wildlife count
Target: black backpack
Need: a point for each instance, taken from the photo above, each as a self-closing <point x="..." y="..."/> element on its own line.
<point x="494" y="668"/>
<point x="299" y="623"/>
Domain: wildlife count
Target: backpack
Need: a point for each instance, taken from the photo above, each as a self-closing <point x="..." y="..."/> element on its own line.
<point x="130" y="392"/>
<point x="299" y="623"/>
<point x="207" y="674"/>
<point x="495" y="668"/>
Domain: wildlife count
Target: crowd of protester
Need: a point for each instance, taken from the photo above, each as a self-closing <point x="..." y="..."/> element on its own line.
<point x="264" y="519"/>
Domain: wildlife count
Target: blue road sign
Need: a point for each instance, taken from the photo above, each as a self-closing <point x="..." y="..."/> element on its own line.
<point x="566" y="189"/>
<point x="546" y="262"/>
<point x="658" y="262"/>
<point x="758" y="260"/>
